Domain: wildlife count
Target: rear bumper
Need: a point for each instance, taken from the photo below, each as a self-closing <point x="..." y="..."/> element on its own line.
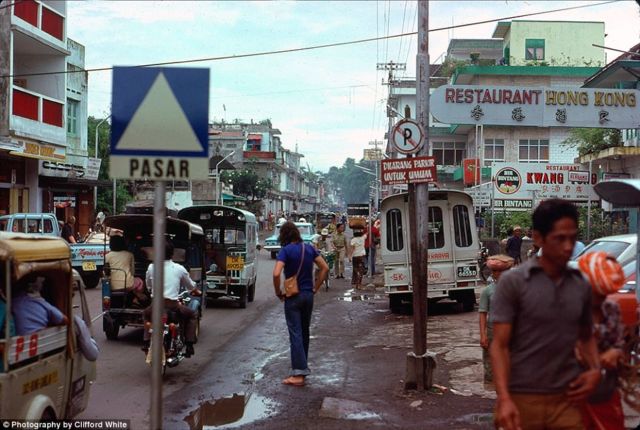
<point x="435" y="292"/>
<point x="219" y="288"/>
<point x="272" y="248"/>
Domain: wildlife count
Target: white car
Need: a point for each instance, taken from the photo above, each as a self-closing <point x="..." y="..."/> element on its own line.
<point x="622" y="247"/>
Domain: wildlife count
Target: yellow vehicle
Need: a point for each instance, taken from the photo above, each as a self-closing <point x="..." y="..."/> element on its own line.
<point x="43" y="374"/>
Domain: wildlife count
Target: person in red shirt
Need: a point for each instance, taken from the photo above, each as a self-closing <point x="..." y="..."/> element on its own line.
<point x="371" y="246"/>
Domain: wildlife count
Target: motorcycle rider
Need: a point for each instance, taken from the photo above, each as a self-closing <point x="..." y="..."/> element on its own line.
<point x="176" y="277"/>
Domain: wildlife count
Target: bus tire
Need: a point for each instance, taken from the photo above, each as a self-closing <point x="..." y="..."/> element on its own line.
<point x="468" y="301"/>
<point x="395" y="302"/>
<point x="273" y="255"/>
<point x="243" y="299"/>
<point x="252" y="292"/>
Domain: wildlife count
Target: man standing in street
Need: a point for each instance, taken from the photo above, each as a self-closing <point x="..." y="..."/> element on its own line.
<point x="340" y="247"/>
<point x="540" y="312"/>
<point x="514" y="245"/>
<point x="67" y="230"/>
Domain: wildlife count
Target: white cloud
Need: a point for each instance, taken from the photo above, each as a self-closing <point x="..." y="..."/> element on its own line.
<point x="295" y="90"/>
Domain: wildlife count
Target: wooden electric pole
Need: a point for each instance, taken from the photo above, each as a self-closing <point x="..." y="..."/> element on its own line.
<point x="420" y="365"/>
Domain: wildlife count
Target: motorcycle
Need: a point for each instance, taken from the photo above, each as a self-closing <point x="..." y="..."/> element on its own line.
<point x="173" y="336"/>
<point x="485" y="272"/>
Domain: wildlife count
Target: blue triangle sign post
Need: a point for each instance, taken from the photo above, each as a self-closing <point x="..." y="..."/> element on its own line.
<point x="160" y="123"/>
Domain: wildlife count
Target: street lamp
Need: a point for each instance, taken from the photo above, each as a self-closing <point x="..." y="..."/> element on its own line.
<point x="218" y="187"/>
<point x="95" y="189"/>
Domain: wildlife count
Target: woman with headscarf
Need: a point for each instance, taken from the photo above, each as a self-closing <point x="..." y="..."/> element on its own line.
<point x="497" y="264"/>
<point x="297" y="259"/>
<point x="603" y="410"/>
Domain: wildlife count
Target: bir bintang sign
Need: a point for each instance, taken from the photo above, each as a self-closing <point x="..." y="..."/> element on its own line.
<point x="536" y="106"/>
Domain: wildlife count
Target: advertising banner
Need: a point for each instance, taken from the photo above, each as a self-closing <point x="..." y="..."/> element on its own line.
<point x="408" y="170"/>
<point x="536" y="106"/>
<point x="469" y="165"/>
<point x="522" y="185"/>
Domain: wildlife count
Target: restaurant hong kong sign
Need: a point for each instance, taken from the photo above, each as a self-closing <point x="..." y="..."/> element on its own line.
<point x="414" y="170"/>
<point x="536" y="106"/>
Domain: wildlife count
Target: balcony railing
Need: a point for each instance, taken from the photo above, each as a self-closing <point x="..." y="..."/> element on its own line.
<point x="37" y="107"/>
<point x="261" y="155"/>
<point x="41" y="16"/>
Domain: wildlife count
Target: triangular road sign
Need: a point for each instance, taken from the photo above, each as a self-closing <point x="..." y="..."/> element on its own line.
<point x="158" y="120"/>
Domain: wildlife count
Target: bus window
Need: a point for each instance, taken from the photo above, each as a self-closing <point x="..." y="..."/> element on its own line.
<point x="436" y="230"/>
<point x="212" y="235"/>
<point x="462" y="226"/>
<point x="394" y="230"/>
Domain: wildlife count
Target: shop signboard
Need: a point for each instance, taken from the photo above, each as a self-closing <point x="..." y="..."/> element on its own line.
<point x="481" y="194"/>
<point x="371" y="154"/>
<point x="29" y="149"/>
<point x="414" y="170"/>
<point x="93" y="168"/>
<point x="536" y="106"/>
<point x="519" y="186"/>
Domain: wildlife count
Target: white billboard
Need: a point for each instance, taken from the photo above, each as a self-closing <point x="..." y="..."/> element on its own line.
<point x="520" y="186"/>
<point x="536" y="106"/>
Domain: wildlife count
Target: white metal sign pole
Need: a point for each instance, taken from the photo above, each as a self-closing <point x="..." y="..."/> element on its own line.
<point x="159" y="224"/>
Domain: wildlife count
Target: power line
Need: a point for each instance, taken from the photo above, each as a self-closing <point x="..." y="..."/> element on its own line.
<point x="310" y="48"/>
<point x="404" y="15"/>
<point x="414" y="22"/>
<point x="10" y="4"/>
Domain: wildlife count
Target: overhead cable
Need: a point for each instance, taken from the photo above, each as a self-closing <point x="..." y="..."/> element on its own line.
<point x="310" y="48"/>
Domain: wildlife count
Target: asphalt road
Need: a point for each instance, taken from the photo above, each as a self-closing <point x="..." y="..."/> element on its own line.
<point x="122" y="387"/>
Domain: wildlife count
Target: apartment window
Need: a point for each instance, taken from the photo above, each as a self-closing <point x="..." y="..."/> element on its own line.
<point x="534" y="49"/>
<point x="534" y="151"/>
<point x="493" y="151"/>
<point x="449" y="153"/>
<point x="462" y="226"/>
<point x="72" y="116"/>
<point x="395" y="240"/>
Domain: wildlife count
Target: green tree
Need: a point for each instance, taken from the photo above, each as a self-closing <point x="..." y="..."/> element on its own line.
<point x="352" y="181"/>
<point x="247" y="183"/>
<point x="593" y="140"/>
<point x="105" y="194"/>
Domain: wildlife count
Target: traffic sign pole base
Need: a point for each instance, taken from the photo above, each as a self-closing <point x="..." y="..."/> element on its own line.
<point x="420" y="370"/>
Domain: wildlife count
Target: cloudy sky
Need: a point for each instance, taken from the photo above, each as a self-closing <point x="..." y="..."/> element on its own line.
<point x="329" y="102"/>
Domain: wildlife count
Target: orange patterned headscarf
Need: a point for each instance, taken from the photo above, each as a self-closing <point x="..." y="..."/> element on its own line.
<point x="603" y="272"/>
<point x="500" y="262"/>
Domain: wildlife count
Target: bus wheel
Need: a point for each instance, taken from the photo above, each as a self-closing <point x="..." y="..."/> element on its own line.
<point x="395" y="302"/>
<point x="48" y="415"/>
<point x="273" y="255"/>
<point x="252" y="292"/>
<point x="468" y="301"/>
<point x="243" y="299"/>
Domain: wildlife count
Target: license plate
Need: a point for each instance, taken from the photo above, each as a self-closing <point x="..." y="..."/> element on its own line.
<point x="89" y="266"/>
<point x="467" y="271"/>
<point x="235" y="263"/>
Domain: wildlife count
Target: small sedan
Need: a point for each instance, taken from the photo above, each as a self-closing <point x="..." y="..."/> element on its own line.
<point x="272" y="244"/>
<point x="622" y="247"/>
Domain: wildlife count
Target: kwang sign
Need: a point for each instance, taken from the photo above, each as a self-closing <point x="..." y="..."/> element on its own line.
<point x="408" y="170"/>
<point x="522" y="185"/>
<point x="536" y="106"/>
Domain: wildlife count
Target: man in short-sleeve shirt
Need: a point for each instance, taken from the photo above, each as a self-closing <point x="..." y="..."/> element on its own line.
<point x="540" y="312"/>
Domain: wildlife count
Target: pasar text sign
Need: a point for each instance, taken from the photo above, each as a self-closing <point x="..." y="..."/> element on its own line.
<point x="160" y="123"/>
<point x="536" y="106"/>
<point x="414" y="170"/>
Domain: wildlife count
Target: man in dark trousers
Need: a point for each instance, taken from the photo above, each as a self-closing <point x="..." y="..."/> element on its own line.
<point x="514" y="245"/>
<point x="541" y="311"/>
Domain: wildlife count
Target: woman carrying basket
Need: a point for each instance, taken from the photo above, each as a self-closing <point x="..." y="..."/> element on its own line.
<point x="297" y="260"/>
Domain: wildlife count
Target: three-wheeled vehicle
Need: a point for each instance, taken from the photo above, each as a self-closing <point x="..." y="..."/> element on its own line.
<point x="120" y="307"/>
<point x="43" y="375"/>
<point x="231" y="245"/>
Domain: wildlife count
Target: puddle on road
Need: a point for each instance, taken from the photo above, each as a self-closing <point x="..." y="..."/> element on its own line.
<point x="352" y="296"/>
<point x="230" y="412"/>
<point x="477" y="418"/>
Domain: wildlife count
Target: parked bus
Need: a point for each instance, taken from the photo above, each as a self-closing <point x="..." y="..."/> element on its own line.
<point x="231" y="245"/>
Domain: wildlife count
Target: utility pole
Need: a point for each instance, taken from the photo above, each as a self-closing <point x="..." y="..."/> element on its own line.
<point x="391" y="67"/>
<point x="420" y="364"/>
<point x="375" y="144"/>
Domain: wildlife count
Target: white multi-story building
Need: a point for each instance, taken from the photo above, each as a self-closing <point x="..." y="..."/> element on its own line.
<point x="43" y="114"/>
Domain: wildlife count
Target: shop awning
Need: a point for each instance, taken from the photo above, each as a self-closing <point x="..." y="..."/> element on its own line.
<point x="232" y="198"/>
<point x="44" y="181"/>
